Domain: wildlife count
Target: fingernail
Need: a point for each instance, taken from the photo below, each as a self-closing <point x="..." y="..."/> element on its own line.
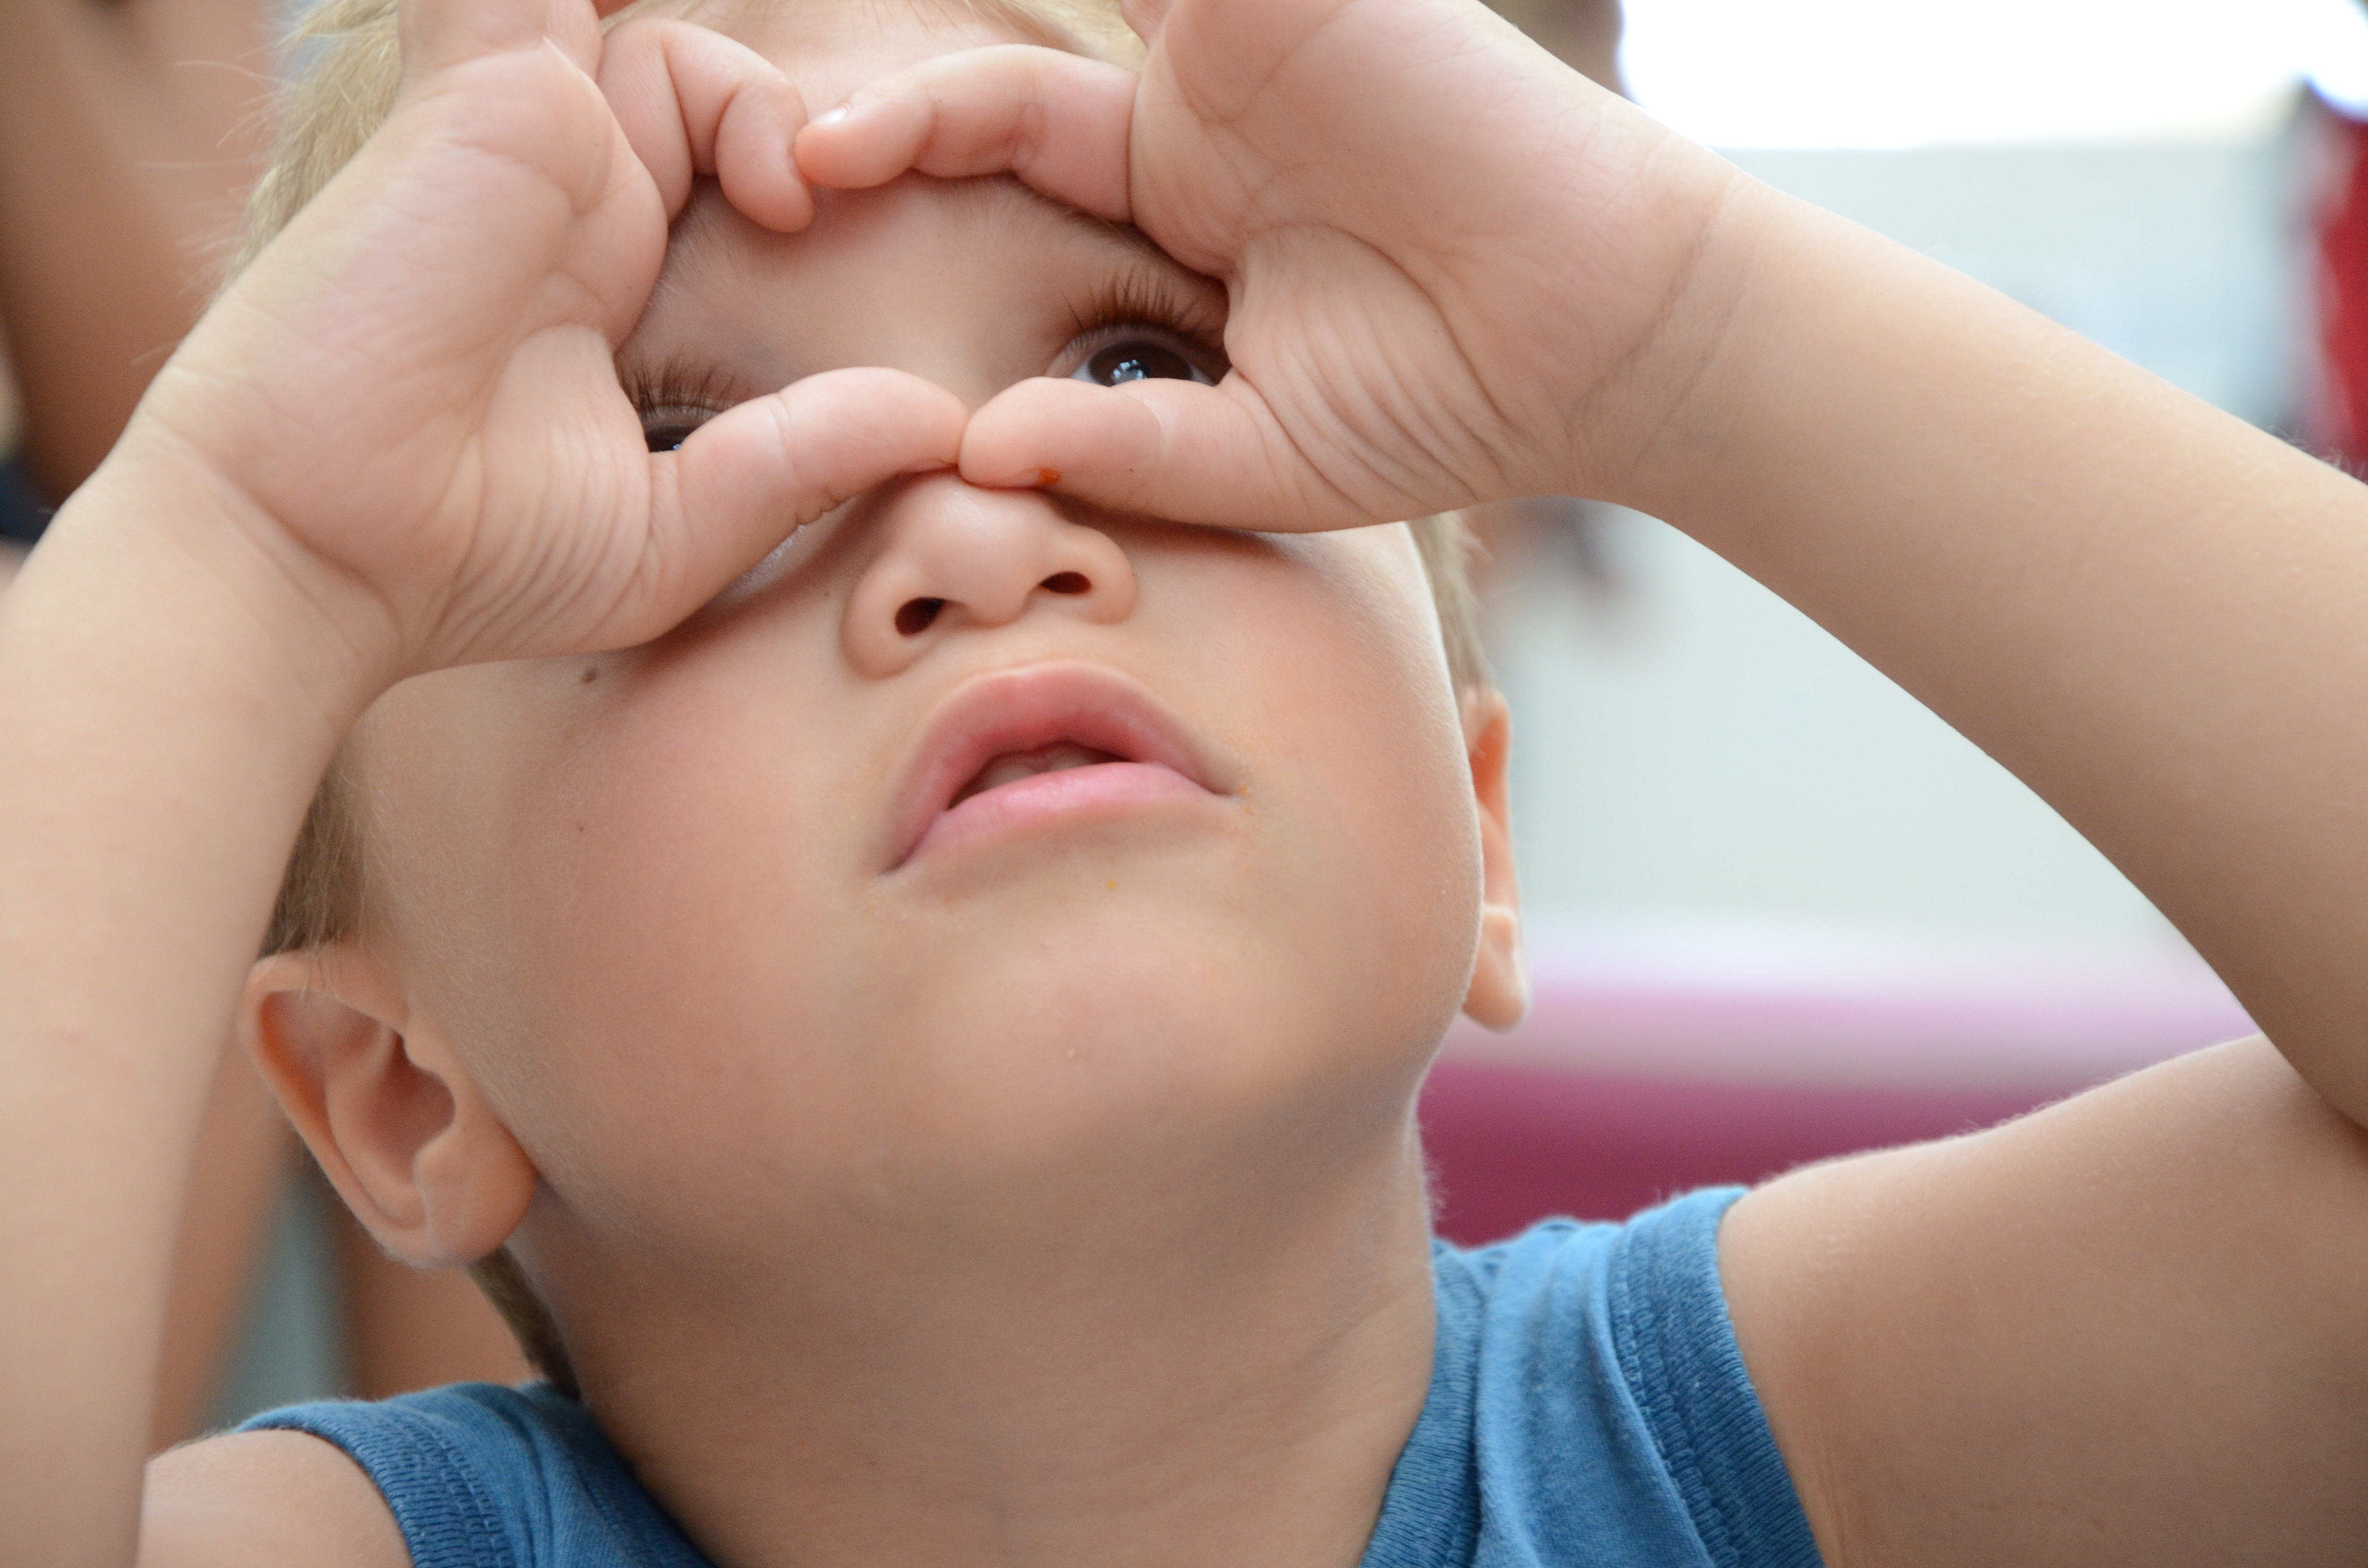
<point x="834" y="116"/>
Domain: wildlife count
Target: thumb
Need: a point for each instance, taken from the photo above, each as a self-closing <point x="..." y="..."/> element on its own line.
<point x="1173" y="449"/>
<point x="754" y="474"/>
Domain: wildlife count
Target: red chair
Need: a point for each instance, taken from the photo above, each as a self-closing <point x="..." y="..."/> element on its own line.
<point x="1656" y="1061"/>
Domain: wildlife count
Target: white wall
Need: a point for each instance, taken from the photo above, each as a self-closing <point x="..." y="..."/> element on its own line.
<point x="1699" y="749"/>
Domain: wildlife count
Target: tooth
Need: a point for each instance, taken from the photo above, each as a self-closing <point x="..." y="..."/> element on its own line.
<point x="1011" y="767"/>
<point x="1004" y="770"/>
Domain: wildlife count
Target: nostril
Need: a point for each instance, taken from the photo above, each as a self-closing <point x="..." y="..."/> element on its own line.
<point x="1066" y="583"/>
<point x="915" y="616"/>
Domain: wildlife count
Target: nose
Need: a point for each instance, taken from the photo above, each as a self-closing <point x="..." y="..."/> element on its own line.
<point x="952" y="558"/>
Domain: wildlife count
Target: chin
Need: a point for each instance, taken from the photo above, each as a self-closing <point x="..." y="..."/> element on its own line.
<point x="1137" y="1030"/>
<point x="1113" y="1018"/>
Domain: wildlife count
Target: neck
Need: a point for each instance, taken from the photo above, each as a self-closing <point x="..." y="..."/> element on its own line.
<point x="1231" y="1383"/>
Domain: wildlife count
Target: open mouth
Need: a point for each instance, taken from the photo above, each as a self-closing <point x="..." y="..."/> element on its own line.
<point x="1010" y="768"/>
<point x="1024" y="748"/>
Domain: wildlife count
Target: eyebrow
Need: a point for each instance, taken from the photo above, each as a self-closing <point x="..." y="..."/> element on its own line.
<point x="1002" y="190"/>
<point x="990" y="195"/>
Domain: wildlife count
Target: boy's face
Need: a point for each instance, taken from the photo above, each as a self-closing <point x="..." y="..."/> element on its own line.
<point x="698" y="914"/>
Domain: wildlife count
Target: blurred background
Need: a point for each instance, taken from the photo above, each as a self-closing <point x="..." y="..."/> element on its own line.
<point x="2149" y="173"/>
<point x="1779" y="911"/>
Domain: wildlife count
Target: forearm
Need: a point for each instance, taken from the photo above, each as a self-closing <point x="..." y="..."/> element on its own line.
<point x="167" y="700"/>
<point x="2149" y="611"/>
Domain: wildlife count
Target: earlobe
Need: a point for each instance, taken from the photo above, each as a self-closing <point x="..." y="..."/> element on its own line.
<point x="389" y="1111"/>
<point x="1498" y="997"/>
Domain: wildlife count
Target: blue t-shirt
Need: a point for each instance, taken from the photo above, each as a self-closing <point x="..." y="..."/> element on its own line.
<point x="1587" y="1405"/>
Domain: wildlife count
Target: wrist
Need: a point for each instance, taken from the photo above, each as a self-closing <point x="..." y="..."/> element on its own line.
<point x="160" y="545"/>
<point x="1651" y="436"/>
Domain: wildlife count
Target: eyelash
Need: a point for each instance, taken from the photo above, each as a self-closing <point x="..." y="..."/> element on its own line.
<point x="1140" y="296"/>
<point x="1127" y="301"/>
<point x="679" y="387"/>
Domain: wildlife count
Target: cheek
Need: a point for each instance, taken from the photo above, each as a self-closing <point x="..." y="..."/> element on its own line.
<point x="684" y="874"/>
<point x="1365" y="791"/>
<point x="672" y="913"/>
<point x="623" y="878"/>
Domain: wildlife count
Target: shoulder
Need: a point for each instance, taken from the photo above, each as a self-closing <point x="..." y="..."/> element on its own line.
<point x="1609" y="1402"/>
<point x="1654" y="1273"/>
<point x="467" y="1474"/>
<point x="2125" y="1328"/>
<point x="474" y="1473"/>
<point x="260" y="1499"/>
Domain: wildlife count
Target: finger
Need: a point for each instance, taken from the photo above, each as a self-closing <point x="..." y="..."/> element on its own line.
<point x="752" y="476"/>
<point x="1057" y="122"/>
<point x="1144" y="17"/>
<point x="693" y="102"/>
<point x="1163" y="449"/>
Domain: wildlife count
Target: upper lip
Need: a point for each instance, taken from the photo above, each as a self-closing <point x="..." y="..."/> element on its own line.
<point x="1021" y="710"/>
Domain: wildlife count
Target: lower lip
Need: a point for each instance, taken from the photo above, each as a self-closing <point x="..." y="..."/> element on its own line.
<point x="1104" y="789"/>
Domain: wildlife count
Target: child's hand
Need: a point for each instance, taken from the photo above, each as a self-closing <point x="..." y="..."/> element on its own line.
<point x="412" y="391"/>
<point x="1428" y="309"/>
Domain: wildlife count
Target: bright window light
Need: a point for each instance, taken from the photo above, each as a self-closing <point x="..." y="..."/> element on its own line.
<point x="1920" y="73"/>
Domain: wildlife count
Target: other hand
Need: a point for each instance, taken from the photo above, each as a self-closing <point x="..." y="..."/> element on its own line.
<point x="1458" y="270"/>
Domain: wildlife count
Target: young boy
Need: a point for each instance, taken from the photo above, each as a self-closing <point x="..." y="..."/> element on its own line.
<point x="915" y="959"/>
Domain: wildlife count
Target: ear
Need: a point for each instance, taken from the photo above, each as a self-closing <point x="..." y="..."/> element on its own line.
<point x="1500" y="994"/>
<point x="385" y="1105"/>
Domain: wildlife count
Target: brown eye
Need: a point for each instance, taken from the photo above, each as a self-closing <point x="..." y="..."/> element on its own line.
<point x="667" y="435"/>
<point x="1138" y="359"/>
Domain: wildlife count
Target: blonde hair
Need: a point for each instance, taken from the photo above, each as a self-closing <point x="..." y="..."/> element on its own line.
<point x="351" y="66"/>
